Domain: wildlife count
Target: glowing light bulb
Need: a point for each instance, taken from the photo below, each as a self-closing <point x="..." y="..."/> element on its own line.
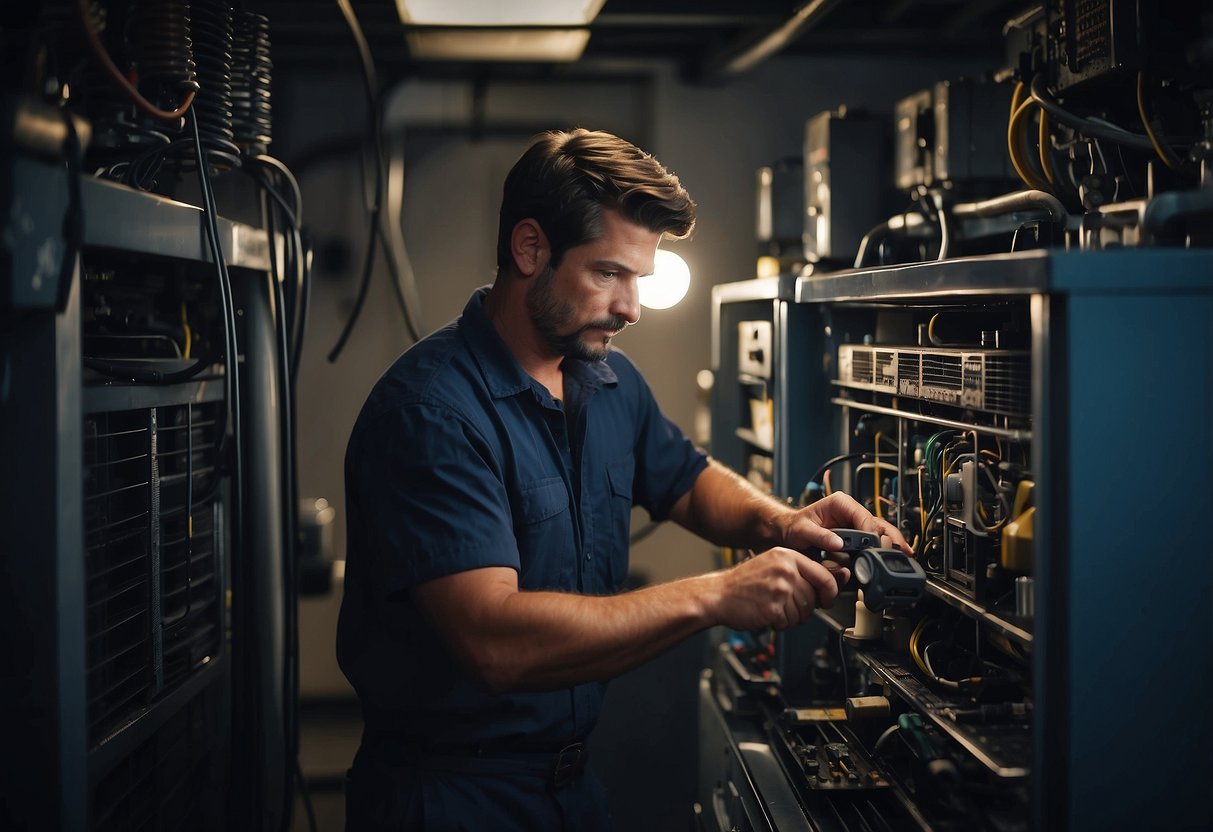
<point x="669" y="282"/>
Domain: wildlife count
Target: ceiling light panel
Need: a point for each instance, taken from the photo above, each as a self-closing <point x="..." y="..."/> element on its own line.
<point x="498" y="13"/>
<point x="497" y="44"/>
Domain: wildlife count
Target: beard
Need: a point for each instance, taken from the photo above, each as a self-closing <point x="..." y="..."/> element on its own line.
<point x="551" y="316"/>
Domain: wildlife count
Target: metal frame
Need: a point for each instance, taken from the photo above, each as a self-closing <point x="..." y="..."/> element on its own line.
<point x="1122" y="403"/>
<point x="51" y="770"/>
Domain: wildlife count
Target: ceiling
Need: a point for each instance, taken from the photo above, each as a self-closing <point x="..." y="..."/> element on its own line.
<point x="711" y="40"/>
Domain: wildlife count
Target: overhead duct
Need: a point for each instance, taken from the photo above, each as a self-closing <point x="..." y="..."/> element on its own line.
<point x="742" y="57"/>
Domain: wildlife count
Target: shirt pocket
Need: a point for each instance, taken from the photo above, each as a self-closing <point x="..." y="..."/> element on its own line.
<point x="619" y="480"/>
<point x="544" y="531"/>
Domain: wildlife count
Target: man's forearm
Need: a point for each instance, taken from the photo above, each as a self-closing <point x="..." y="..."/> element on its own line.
<point x="728" y="510"/>
<point x="527" y="640"/>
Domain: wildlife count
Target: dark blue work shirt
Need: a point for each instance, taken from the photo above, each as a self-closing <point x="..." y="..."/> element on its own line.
<point x="460" y="460"/>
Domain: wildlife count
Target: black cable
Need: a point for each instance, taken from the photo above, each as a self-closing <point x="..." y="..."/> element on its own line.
<point x="1091" y="129"/>
<point x="372" y="97"/>
<point x="304" y="303"/>
<point x="290" y="678"/>
<point x="398" y="286"/>
<point x="862" y="456"/>
<point x="146" y="375"/>
<point x="297" y="316"/>
<point x="240" y="623"/>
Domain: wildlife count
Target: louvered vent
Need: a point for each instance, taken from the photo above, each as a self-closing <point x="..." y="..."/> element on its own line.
<point x="885" y="371"/>
<point x="862" y="366"/>
<point x="942" y="371"/>
<point x="117" y="504"/>
<point x="1008" y="381"/>
<point x="154" y="589"/>
<point x="908" y="366"/>
<point x="189" y="575"/>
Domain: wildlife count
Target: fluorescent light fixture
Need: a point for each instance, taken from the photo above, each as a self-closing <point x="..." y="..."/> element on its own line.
<point x="667" y="284"/>
<point x="498" y="12"/>
<point x="497" y="44"/>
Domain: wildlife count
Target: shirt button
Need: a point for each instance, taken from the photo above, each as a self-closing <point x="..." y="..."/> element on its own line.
<point x="588" y="555"/>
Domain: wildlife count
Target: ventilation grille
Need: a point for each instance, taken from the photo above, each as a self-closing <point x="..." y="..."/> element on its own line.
<point x="1008" y="381"/>
<point x="117" y="501"/>
<point x="942" y="371"/>
<point x="862" y="366"/>
<point x="165" y="782"/>
<point x="999" y="381"/>
<point x="153" y="589"/>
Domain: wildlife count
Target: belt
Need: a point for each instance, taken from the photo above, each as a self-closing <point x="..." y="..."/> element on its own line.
<point x="559" y="768"/>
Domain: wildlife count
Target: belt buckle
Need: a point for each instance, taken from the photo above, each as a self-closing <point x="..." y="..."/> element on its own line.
<point x="569" y="762"/>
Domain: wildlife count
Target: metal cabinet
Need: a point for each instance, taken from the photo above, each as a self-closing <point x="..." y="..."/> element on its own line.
<point x="1085" y="377"/>
<point x="136" y="640"/>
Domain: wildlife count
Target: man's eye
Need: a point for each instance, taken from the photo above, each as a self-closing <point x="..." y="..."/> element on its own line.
<point x="611" y="274"/>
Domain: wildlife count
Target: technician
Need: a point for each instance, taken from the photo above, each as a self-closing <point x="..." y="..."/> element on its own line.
<point x="490" y="480"/>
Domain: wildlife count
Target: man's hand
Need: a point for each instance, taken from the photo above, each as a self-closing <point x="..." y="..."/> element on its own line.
<point x="809" y="528"/>
<point x="778" y="588"/>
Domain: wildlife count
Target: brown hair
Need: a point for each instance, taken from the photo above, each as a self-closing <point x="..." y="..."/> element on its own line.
<point x="565" y="179"/>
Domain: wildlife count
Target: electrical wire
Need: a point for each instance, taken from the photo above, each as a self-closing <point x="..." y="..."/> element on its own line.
<point x="185" y="327"/>
<point x="240" y="622"/>
<point x="373" y="230"/>
<point x="115" y="74"/>
<point x="146" y="375"/>
<point x="922" y="507"/>
<point x="1164" y="152"/>
<point x="1090" y="127"/>
<point x="1019" y="159"/>
<point x="1044" y="144"/>
<point x="876" y="477"/>
<point x="290" y="682"/>
<point x="883" y="738"/>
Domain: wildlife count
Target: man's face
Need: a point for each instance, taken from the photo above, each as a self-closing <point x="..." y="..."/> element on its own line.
<point x="579" y="306"/>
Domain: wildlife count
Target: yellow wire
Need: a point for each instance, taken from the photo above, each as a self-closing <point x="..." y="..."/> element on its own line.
<point x="876" y="478"/>
<point x="914" y="637"/>
<point x="1022" y="166"/>
<point x="1012" y="147"/>
<point x="1046" y="159"/>
<point x="1165" y="153"/>
<point x="185" y="324"/>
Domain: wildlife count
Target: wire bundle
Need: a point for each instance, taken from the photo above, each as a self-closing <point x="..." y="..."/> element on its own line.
<point x="251" y="117"/>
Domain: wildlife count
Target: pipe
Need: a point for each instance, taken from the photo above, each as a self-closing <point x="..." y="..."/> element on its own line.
<point x="734" y="61"/>
<point x="1009" y="203"/>
<point x="1166" y="209"/>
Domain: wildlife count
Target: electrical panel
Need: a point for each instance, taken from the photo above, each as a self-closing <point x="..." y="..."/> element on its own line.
<point x="991" y="428"/>
<point x="1001" y="376"/>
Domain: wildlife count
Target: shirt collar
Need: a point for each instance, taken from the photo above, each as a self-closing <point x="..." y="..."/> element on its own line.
<point x="503" y="375"/>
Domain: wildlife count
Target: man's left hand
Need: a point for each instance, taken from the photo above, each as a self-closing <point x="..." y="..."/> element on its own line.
<point x="808" y="529"/>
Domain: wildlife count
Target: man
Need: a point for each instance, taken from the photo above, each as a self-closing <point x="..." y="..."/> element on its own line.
<point x="490" y="480"/>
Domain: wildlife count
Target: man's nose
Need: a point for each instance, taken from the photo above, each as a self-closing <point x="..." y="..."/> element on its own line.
<point x="626" y="303"/>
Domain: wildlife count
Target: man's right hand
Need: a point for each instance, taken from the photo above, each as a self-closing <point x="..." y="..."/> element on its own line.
<point x="778" y="588"/>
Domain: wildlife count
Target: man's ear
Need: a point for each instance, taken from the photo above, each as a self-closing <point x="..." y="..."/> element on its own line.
<point x="529" y="248"/>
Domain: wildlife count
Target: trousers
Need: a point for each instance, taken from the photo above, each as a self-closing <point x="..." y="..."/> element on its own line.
<point x="392" y="786"/>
